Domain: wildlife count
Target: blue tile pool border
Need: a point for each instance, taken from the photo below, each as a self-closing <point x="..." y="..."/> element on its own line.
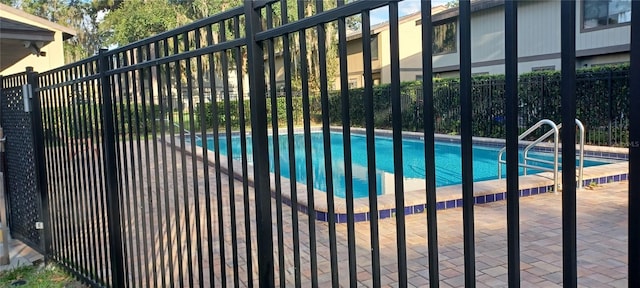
<point x="449" y="203"/>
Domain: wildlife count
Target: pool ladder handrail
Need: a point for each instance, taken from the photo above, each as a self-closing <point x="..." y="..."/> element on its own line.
<point x="186" y="132"/>
<point x="580" y="157"/>
<point x="554" y="131"/>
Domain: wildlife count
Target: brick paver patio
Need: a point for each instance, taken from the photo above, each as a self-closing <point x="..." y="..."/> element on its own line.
<point x="602" y="243"/>
<point x="602" y="238"/>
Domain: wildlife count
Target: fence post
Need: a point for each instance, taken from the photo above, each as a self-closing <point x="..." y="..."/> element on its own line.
<point x="634" y="149"/>
<point x="4" y="208"/>
<point x="111" y="172"/>
<point x="259" y="121"/>
<point x="568" y="136"/>
<point x="37" y="139"/>
<point x="610" y="98"/>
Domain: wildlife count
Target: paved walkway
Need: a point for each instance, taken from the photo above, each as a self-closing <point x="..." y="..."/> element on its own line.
<point x="20" y="255"/>
<point x="602" y="243"/>
<point x="166" y="240"/>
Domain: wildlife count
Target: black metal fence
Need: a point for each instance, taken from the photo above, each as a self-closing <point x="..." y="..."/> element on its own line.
<point x="140" y="193"/>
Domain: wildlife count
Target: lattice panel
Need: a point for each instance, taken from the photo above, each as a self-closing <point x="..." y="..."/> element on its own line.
<point x="24" y="198"/>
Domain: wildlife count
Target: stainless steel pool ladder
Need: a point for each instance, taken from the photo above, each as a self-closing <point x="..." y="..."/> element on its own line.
<point x="555" y="129"/>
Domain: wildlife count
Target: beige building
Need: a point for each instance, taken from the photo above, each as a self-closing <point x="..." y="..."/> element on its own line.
<point x="602" y="37"/>
<point x="379" y="52"/>
<point x="30" y="41"/>
<point x="410" y="50"/>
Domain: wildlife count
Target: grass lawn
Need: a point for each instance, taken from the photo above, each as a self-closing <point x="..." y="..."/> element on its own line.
<point x="38" y="276"/>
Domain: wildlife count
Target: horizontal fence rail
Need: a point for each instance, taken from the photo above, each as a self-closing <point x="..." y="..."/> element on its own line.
<point x="233" y="151"/>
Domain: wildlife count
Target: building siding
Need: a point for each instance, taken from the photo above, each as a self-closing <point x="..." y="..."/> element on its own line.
<point x="538" y="44"/>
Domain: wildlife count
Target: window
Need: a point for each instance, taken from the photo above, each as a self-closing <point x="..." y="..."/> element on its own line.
<point x="418" y="77"/>
<point x="353" y="82"/>
<point x="444" y="38"/>
<point x="544" y="68"/>
<point x="607" y="64"/>
<point x="602" y="13"/>
<point x="374" y="47"/>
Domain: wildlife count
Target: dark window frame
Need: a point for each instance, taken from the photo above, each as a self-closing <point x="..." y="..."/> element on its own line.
<point x="543" y="68"/>
<point x="453" y="21"/>
<point x="602" y="27"/>
<point x="352" y="83"/>
<point x="375" y="53"/>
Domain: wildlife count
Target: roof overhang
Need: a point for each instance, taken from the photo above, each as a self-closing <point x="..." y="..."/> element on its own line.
<point x="17" y="40"/>
<point x="10" y="29"/>
<point x="51" y="26"/>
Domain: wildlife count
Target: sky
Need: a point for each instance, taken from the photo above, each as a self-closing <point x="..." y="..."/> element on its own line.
<point x="404" y="7"/>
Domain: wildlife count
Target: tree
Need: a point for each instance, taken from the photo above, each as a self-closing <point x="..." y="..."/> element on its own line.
<point x="311" y="57"/>
<point x="138" y="19"/>
<point x="198" y="9"/>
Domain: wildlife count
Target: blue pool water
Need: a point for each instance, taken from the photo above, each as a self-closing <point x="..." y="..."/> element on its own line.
<point x="448" y="165"/>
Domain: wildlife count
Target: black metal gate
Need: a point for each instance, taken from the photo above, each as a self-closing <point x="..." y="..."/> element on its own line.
<point x="23" y="192"/>
<point x="142" y="193"/>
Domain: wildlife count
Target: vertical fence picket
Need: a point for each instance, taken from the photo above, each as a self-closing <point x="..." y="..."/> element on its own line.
<point x="291" y="144"/>
<point x="168" y="121"/>
<point x="153" y="74"/>
<point x="346" y="138"/>
<point x="275" y="138"/>
<point x="466" y="134"/>
<point x="224" y="63"/>
<point x="371" y="156"/>
<point x="511" y="115"/>
<point x="304" y="81"/>
<point x="398" y="165"/>
<point x="429" y="143"/>
<point x="568" y="135"/>
<point x="326" y="137"/>
<point x="144" y="170"/>
<point x="239" y="51"/>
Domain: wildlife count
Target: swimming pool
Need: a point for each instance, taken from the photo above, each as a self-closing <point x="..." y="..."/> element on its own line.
<point x="448" y="161"/>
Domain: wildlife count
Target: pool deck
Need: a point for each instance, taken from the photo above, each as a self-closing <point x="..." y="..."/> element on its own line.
<point x="415" y="191"/>
<point x="602" y="215"/>
<point x="602" y="236"/>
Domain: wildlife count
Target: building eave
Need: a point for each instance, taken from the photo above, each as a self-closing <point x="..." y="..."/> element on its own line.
<point x="66" y="31"/>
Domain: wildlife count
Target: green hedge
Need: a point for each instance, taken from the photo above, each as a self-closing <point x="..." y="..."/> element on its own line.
<point x="81" y="120"/>
<point x="601" y="93"/>
<point x="281" y="111"/>
<point x="602" y="99"/>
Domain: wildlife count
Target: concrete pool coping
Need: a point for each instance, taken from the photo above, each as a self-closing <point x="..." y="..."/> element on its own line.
<point x="415" y="195"/>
